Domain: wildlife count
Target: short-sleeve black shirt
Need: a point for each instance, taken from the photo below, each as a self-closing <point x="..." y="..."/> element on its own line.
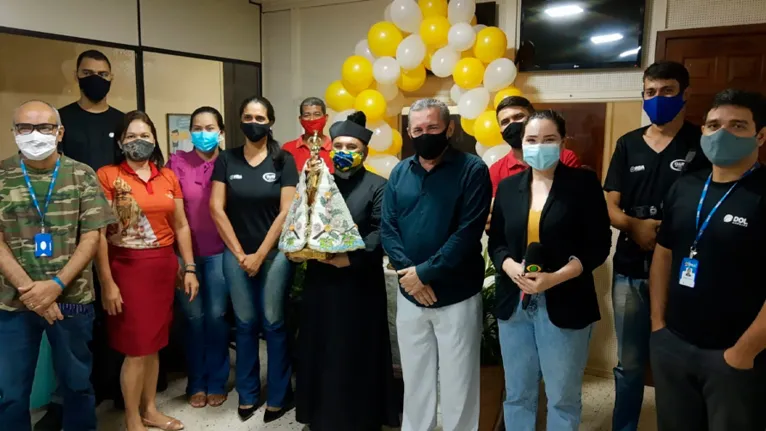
<point x="642" y="177"/>
<point x="253" y="193"/>
<point x="88" y="137"/>
<point x="729" y="287"/>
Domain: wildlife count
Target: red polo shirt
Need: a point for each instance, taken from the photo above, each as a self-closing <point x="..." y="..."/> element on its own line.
<point x="301" y="152"/>
<point x="508" y="166"/>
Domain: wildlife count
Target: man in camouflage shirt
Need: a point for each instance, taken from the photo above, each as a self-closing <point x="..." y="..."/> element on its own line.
<point x="47" y="242"/>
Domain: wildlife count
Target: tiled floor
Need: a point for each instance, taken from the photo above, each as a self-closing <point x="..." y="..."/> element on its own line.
<point x="598" y="398"/>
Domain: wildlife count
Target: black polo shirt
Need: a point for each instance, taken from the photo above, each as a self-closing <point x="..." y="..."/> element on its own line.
<point x="729" y="287"/>
<point x="642" y="177"/>
<point x="253" y="193"/>
<point x="435" y="220"/>
<point x="89" y="137"/>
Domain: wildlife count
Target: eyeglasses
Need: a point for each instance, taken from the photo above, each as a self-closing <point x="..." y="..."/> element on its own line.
<point x="45" y="128"/>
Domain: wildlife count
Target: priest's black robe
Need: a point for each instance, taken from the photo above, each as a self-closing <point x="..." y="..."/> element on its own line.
<point x="344" y="375"/>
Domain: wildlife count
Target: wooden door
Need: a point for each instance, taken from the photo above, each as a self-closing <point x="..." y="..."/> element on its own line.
<point x="717" y="58"/>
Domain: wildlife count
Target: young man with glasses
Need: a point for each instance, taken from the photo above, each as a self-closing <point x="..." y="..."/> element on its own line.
<point x="313" y="118"/>
<point x="51" y="211"/>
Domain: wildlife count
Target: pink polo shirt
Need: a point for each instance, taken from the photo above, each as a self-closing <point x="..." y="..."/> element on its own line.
<point x="195" y="174"/>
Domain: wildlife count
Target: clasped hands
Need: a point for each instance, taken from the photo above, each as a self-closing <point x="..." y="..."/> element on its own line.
<point x="410" y="282"/>
<point x="40" y="297"/>
<point x="530" y="283"/>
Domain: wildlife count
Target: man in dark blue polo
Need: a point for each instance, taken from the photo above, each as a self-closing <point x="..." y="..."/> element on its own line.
<point x="434" y="209"/>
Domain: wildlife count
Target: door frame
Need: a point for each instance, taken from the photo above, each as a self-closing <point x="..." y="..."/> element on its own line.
<point x="663" y="37"/>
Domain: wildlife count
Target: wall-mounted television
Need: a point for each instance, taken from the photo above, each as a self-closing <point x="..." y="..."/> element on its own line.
<point x="580" y="34"/>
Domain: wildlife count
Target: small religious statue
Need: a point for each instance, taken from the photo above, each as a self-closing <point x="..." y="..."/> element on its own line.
<point x="319" y="223"/>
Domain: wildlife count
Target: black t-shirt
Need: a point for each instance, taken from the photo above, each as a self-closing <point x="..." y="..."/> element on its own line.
<point x="642" y="177"/>
<point x="88" y="137"/>
<point x="253" y="194"/>
<point x="729" y="288"/>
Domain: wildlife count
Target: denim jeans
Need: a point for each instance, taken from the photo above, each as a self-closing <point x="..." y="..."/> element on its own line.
<point x="632" y="321"/>
<point x="20" y="336"/>
<point x="207" y="332"/>
<point x="533" y="346"/>
<point x="259" y="303"/>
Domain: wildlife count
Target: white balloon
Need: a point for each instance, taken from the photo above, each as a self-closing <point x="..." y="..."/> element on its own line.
<point x="342" y="115"/>
<point x="495" y="153"/>
<point x="395" y="106"/>
<point x="473" y="103"/>
<point x="461" y="11"/>
<point x="382" y="136"/>
<point x="363" y="49"/>
<point x="478" y="27"/>
<point x="461" y="36"/>
<point x="411" y="52"/>
<point x="389" y="91"/>
<point x="443" y="61"/>
<point x="386" y="70"/>
<point x="387" y="14"/>
<point x="383" y="165"/>
<point x="499" y="74"/>
<point x="406" y="15"/>
<point x="481" y="149"/>
<point x="455" y="92"/>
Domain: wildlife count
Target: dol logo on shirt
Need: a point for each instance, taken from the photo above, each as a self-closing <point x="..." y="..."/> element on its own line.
<point x="639" y="168"/>
<point x="735" y="220"/>
<point x="269" y="177"/>
<point x="235" y="177"/>
<point x="677" y="165"/>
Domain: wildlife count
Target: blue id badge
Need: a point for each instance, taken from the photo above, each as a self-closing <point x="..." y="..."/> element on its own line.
<point x="43" y="245"/>
<point x="688" y="273"/>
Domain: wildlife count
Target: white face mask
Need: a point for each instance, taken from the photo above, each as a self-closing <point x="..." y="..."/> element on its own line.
<point x="36" y="145"/>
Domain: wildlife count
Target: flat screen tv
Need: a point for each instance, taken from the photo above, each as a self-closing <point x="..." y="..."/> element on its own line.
<point x="580" y="34"/>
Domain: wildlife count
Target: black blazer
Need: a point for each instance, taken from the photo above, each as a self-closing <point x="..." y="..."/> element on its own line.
<point x="574" y="222"/>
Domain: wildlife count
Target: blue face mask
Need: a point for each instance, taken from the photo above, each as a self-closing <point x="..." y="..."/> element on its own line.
<point x="723" y="148"/>
<point x="662" y="110"/>
<point x="541" y="157"/>
<point x="205" y="141"/>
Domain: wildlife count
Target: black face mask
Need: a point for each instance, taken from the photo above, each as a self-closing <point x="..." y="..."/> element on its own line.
<point x="254" y="131"/>
<point x="430" y="147"/>
<point x="94" y="87"/>
<point x="512" y="135"/>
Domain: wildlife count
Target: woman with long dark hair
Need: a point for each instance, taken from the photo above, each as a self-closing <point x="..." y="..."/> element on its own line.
<point x="137" y="265"/>
<point x="253" y="186"/>
<point x="207" y="332"/>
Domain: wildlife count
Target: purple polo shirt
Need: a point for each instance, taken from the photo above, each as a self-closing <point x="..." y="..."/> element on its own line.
<point x="194" y="174"/>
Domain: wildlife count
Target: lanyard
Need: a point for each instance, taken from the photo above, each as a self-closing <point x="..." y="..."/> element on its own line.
<point x="50" y="191"/>
<point x="701" y="229"/>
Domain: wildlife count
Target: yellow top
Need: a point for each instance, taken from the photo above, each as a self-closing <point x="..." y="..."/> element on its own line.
<point x="533" y="227"/>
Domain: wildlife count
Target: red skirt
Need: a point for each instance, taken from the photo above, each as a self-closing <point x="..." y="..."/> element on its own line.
<point x="146" y="279"/>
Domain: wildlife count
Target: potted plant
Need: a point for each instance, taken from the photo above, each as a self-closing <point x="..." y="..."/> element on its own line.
<point x="492" y="376"/>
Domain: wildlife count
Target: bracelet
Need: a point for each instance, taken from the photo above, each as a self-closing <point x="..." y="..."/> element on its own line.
<point x="59" y="282"/>
<point x="190" y="272"/>
<point x="193" y="265"/>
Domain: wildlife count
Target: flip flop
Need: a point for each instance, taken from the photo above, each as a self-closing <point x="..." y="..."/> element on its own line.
<point x="198" y="400"/>
<point x="171" y="425"/>
<point x="216" y="400"/>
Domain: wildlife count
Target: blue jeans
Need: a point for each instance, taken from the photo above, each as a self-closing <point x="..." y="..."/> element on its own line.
<point x="259" y="303"/>
<point x="20" y="336"/>
<point x="533" y="346"/>
<point x="632" y="321"/>
<point x="207" y="333"/>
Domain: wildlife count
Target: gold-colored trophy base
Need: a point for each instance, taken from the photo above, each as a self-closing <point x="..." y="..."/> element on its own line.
<point x="309" y="254"/>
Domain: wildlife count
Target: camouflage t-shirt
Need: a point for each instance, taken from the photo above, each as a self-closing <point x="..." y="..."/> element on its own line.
<point x="77" y="206"/>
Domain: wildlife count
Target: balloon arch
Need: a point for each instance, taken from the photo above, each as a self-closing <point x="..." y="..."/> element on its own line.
<point x="418" y="35"/>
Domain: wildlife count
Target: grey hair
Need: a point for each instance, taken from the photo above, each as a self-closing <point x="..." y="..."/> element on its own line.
<point x="423" y="104"/>
<point x="53" y="108"/>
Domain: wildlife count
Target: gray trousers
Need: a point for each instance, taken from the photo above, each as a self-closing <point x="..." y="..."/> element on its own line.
<point x="696" y="390"/>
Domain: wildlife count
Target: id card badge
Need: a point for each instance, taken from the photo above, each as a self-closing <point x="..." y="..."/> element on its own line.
<point x="688" y="273"/>
<point x="43" y="245"/>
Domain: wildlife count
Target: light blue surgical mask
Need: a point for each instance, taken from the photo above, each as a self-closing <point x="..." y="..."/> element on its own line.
<point x="541" y="157"/>
<point x="724" y="148"/>
<point x="205" y="141"/>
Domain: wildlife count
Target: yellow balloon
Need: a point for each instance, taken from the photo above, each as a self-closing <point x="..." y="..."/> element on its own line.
<point x="370" y="168"/>
<point x="490" y="45"/>
<point x="473" y="20"/>
<point x="435" y="31"/>
<point x="427" y="60"/>
<point x="505" y="92"/>
<point x="468" y="73"/>
<point x="338" y="98"/>
<point x="356" y="74"/>
<point x="486" y="130"/>
<point x="393" y="122"/>
<point x="372" y="103"/>
<point x="383" y="39"/>
<point x="433" y="8"/>
<point x="468" y="53"/>
<point x="412" y="80"/>
<point x="467" y="125"/>
<point x="396" y="144"/>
